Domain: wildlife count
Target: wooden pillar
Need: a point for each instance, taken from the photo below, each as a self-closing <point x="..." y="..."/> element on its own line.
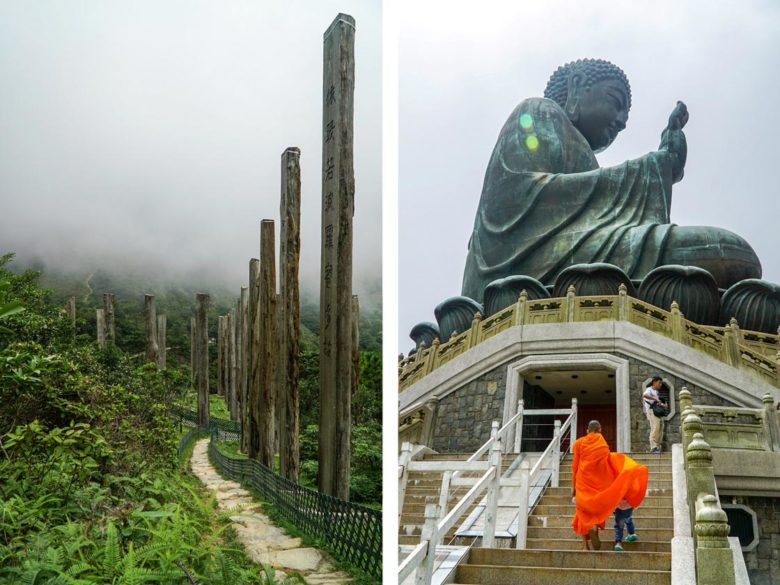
<point x="202" y="356"/>
<point x="280" y="376"/>
<point x="232" y="366"/>
<point x="150" y="316"/>
<point x="269" y="349"/>
<point x="290" y="332"/>
<point x="100" y="326"/>
<point x="70" y="307"/>
<point x="193" y="344"/>
<point x="109" y="307"/>
<point x="244" y="367"/>
<point x="253" y="382"/>
<point x="162" y="326"/>
<point x="338" y="195"/>
<point x="220" y="355"/>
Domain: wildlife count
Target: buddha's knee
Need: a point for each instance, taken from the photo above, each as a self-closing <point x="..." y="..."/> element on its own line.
<point x="727" y="256"/>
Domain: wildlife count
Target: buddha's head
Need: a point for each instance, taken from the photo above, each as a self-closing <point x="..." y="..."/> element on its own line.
<point x="596" y="96"/>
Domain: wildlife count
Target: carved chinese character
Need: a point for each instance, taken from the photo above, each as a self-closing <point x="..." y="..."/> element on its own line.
<point x="328" y="274"/>
<point x="329" y="131"/>
<point x="329" y="236"/>
<point x="330" y="98"/>
<point x="329" y="201"/>
<point x="329" y="167"/>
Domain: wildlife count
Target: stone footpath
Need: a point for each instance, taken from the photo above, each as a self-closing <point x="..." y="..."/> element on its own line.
<point x="265" y="542"/>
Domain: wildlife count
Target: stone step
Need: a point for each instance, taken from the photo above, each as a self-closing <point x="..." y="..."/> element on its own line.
<point x="642" y="511"/>
<point x="653" y="476"/>
<point x="653" y="501"/>
<point x="656" y="490"/>
<point x="607" y="543"/>
<point x="498" y="575"/>
<point x="581" y="559"/>
<point x="651" y="534"/>
<point x="666" y="522"/>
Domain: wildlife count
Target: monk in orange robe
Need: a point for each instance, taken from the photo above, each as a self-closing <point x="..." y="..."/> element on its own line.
<point x="601" y="479"/>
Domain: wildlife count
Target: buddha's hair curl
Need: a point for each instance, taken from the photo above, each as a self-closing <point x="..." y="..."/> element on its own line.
<point x="593" y="69"/>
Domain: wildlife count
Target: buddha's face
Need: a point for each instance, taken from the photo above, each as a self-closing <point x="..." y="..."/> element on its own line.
<point x="603" y="112"/>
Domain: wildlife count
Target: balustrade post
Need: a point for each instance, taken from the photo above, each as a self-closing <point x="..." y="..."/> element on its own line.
<point x="770" y="421"/>
<point x="714" y="559"/>
<point x="730" y="349"/>
<point x="556" y="464"/>
<point x="431" y="358"/>
<point x="691" y="426"/>
<point x="474" y="336"/>
<point x="418" y="355"/>
<point x="403" y="463"/>
<point x="522" y="510"/>
<point x="777" y="366"/>
<point x="519" y="316"/>
<point x="573" y="431"/>
<point x="570" y="304"/>
<point x="444" y="494"/>
<point x="677" y="322"/>
<point x="430" y="533"/>
<point x="519" y="427"/>
<point x="622" y="302"/>
<point x="491" y="508"/>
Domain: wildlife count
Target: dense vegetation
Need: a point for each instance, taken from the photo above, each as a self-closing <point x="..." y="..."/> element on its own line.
<point x="92" y="491"/>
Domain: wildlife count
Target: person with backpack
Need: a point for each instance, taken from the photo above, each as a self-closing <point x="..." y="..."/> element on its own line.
<point x="655" y="409"/>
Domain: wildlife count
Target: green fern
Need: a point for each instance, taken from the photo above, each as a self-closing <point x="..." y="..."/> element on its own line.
<point x="111" y="552"/>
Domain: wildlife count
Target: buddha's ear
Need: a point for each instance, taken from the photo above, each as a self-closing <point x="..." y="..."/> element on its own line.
<point x="575" y="84"/>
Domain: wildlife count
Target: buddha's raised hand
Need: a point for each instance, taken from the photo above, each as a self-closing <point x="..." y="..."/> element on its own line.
<point x="673" y="140"/>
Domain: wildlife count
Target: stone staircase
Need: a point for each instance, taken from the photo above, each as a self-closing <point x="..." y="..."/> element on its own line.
<point x="422" y="485"/>
<point x="554" y="554"/>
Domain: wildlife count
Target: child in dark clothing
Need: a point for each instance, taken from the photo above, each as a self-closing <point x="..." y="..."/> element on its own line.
<point x="623" y="518"/>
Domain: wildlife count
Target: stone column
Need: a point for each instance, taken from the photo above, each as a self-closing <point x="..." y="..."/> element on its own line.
<point x="202" y="356"/>
<point x="70" y="307"/>
<point x="109" y="307"/>
<point x="100" y="326"/>
<point x="290" y="332"/>
<point x="269" y="350"/>
<point x="150" y="316"/>
<point x="244" y="367"/>
<point x="338" y="198"/>
<point x="253" y="383"/>
<point x="162" y="326"/>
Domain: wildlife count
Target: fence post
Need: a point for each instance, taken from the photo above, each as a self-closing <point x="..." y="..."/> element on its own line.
<point x="489" y="533"/>
<point x="573" y="432"/>
<point x="519" y="427"/>
<point x="556" y="466"/>
<point x="522" y="509"/>
<point x="403" y="463"/>
<point x="430" y="532"/>
<point x="444" y="494"/>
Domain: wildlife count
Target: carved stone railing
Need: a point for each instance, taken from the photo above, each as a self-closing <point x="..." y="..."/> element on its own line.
<point x="751" y="351"/>
<point x="416" y="425"/>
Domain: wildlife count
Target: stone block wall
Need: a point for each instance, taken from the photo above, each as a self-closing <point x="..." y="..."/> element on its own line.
<point x="763" y="562"/>
<point x="465" y="416"/>
<point x="639" y="372"/>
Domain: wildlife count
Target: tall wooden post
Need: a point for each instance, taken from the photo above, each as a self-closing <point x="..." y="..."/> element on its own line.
<point x="244" y="365"/>
<point x="220" y="355"/>
<point x="193" y="352"/>
<point x="100" y="326"/>
<point x="280" y="376"/>
<point x="268" y="342"/>
<point x="150" y="316"/>
<point x="338" y="198"/>
<point x="252" y="414"/>
<point x="202" y="356"/>
<point x="290" y="333"/>
<point x="355" y="347"/>
<point x="70" y="307"/>
<point x="109" y="307"/>
<point x="162" y="326"/>
<point x="232" y="365"/>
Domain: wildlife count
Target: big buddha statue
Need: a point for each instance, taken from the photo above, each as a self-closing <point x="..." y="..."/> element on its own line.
<point x="547" y="204"/>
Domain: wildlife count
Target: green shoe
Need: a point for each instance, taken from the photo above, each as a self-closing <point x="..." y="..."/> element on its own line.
<point x="618" y="548"/>
<point x="632" y="538"/>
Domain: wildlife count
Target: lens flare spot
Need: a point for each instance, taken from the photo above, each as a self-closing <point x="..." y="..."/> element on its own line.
<point x="526" y="122"/>
<point x="532" y="143"/>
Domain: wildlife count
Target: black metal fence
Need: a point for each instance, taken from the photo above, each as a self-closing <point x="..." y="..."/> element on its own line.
<point x="353" y="532"/>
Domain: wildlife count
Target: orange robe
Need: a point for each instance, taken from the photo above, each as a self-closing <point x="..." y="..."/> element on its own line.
<point x="601" y="479"/>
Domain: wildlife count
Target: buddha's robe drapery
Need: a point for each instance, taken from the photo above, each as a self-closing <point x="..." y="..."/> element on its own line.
<point x="601" y="479"/>
<point x="546" y="204"/>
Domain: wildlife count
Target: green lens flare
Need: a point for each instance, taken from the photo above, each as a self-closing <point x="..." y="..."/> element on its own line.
<point x="532" y="143"/>
<point x="526" y="122"/>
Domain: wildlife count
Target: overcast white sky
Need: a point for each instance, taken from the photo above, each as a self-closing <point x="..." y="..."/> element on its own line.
<point x="149" y="133"/>
<point x="463" y="69"/>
